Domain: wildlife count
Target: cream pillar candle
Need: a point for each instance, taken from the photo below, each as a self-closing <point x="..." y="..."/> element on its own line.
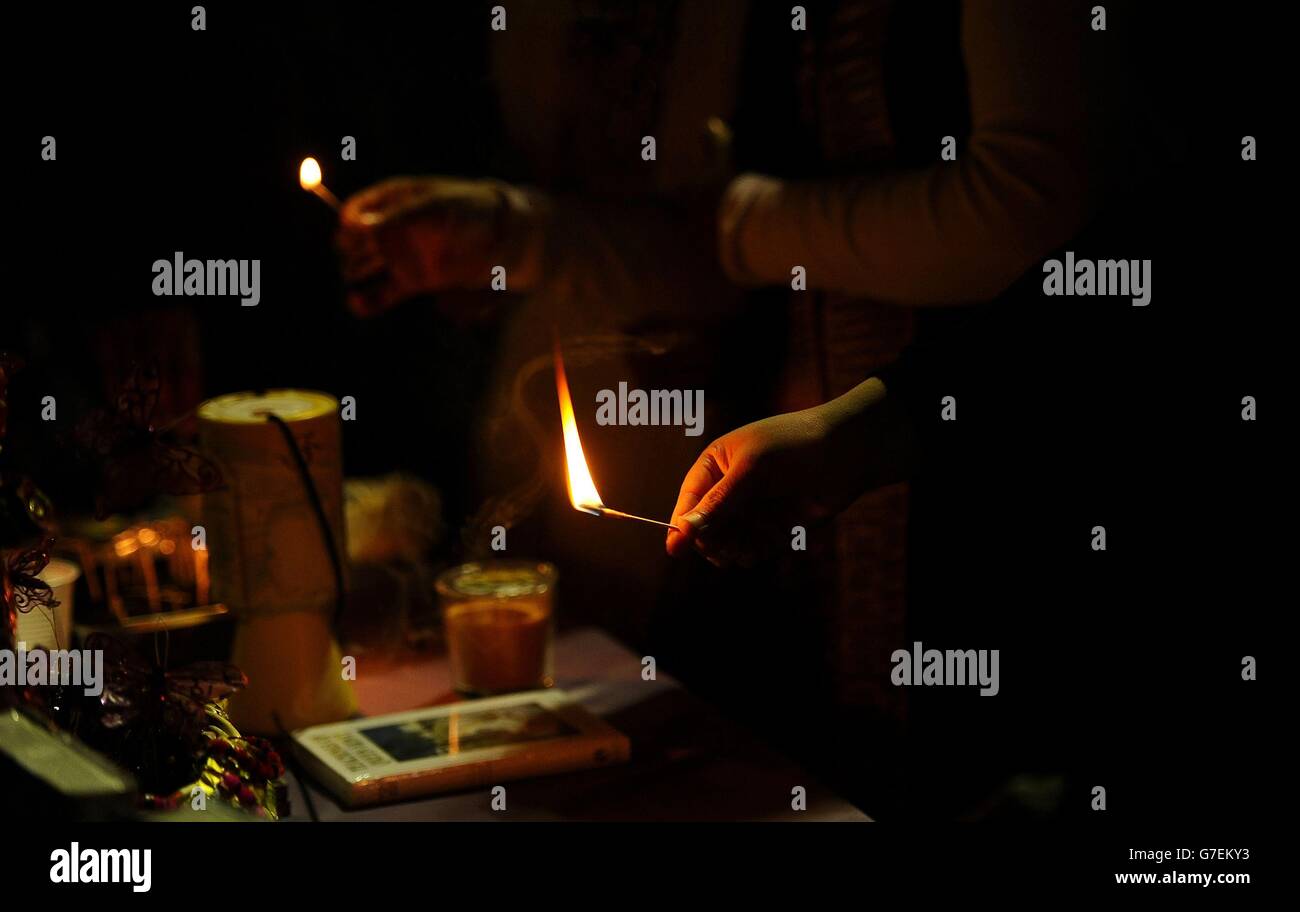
<point x="268" y="559"/>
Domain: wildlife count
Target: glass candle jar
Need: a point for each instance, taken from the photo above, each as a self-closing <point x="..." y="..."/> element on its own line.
<point x="499" y="622"/>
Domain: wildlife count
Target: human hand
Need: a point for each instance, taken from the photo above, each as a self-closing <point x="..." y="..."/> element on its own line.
<point x="408" y="236"/>
<point x="750" y="486"/>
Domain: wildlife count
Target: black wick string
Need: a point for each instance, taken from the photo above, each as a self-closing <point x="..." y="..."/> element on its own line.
<point x="336" y="561"/>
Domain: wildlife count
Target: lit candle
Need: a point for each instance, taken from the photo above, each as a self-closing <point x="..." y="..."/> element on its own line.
<point x="498" y="619"/>
<point x="309" y="177"/>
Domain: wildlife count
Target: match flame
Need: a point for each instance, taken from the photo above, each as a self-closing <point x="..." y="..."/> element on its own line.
<point x="309" y="174"/>
<point x="582" y="490"/>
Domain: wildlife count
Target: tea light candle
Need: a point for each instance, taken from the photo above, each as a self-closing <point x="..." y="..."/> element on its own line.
<point x="499" y="622"/>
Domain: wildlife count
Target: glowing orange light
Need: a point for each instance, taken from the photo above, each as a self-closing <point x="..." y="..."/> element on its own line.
<point x="310" y="177"/>
<point x="309" y="174"/>
<point x="582" y="490"/>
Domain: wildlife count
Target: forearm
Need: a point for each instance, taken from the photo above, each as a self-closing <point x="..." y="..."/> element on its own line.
<point x="958" y="231"/>
<point x="869" y="434"/>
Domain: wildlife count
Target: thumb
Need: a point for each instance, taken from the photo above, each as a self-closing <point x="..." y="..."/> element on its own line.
<point x="718" y="507"/>
<point x="709" y="497"/>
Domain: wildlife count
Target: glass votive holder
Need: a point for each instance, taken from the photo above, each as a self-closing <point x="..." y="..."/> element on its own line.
<point x="499" y="624"/>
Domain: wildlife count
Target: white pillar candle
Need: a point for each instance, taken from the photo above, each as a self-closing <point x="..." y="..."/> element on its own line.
<point x="267" y="556"/>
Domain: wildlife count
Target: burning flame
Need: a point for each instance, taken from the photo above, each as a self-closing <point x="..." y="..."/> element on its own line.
<point x="582" y="490"/>
<point x="309" y="174"/>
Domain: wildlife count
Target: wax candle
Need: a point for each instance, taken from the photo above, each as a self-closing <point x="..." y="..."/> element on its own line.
<point x="498" y="619"/>
<point x="269" y="560"/>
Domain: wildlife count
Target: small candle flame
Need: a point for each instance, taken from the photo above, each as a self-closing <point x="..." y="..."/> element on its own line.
<point x="582" y="490"/>
<point x="309" y="174"/>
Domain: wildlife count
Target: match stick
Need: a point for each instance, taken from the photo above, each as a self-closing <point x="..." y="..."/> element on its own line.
<point x="309" y="177"/>
<point x="324" y="193"/>
<point x="619" y="514"/>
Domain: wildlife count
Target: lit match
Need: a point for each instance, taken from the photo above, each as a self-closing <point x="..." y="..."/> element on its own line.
<point x="582" y="489"/>
<point x="310" y="177"/>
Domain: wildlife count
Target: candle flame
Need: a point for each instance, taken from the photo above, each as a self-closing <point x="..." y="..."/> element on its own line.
<point x="582" y="490"/>
<point x="309" y="174"/>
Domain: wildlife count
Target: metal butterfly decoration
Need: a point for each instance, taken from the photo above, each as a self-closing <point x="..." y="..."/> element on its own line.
<point x="154" y="716"/>
<point x="24" y="515"/>
<point x="135" y="460"/>
<point x="29" y="590"/>
<point x="138" y="690"/>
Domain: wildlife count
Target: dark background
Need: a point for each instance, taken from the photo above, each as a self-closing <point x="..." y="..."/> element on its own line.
<point x="171" y="140"/>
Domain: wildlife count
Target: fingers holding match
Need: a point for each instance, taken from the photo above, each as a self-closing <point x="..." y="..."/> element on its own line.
<point x="687" y="520"/>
